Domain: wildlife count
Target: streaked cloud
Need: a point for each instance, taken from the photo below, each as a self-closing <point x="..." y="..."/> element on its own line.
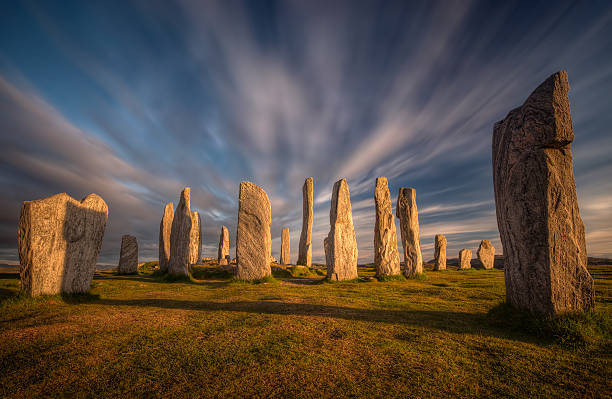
<point x="159" y="95"/>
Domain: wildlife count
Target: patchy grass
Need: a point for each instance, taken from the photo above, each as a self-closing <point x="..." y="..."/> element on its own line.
<point x="208" y="336"/>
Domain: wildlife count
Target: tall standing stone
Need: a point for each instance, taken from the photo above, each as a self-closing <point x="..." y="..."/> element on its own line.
<point x="59" y="239"/>
<point x="465" y="259"/>
<point x="539" y="222"/>
<point x="305" y="249"/>
<point x="195" y="238"/>
<point x="253" y="239"/>
<point x="165" y="228"/>
<point x="223" y="253"/>
<point x="128" y="258"/>
<point x="406" y="211"/>
<point x="486" y="254"/>
<point x="386" y="255"/>
<point x="340" y="244"/>
<point x="440" y="252"/>
<point x="180" y="236"/>
<point x="285" y="247"/>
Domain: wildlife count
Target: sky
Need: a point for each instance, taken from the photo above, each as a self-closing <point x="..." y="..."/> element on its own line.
<point x="134" y="100"/>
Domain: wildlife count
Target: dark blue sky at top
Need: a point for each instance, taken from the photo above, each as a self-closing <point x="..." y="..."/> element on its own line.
<point x="136" y="100"/>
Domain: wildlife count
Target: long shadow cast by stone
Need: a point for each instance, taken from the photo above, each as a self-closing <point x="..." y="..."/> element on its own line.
<point x="157" y="280"/>
<point x="453" y="322"/>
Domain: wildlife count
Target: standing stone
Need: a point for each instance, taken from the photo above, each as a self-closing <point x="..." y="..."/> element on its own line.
<point x="285" y="247"/>
<point x="406" y="211"/>
<point x="465" y="259"/>
<point x="223" y="253"/>
<point x="539" y="222"/>
<point x="305" y="250"/>
<point x="340" y="244"/>
<point x="128" y="258"/>
<point x="386" y="255"/>
<point x="486" y="254"/>
<point x="440" y="252"/>
<point x="253" y="239"/>
<point x="59" y="239"/>
<point x="180" y="236"/>
<point x="165" y="228"/>
<point x="195" y="239"/>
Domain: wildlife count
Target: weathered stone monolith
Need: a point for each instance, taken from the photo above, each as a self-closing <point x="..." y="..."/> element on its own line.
<point x="386" y="255"/>
<point x="128" y="258"/>
<point x="440" y="252"/>
<point x="165" y="228"/>
<point x="406" y="211"/>
<point x="539" y="222"/>
<point x="285" y="247"/>
<point x="195" y="239"/>
<point x="223" y="253"/>
<point x="486" y="254"/>
<point x="180" y="236"/>
<point x="340" y="244"/>
<point x="253" y="239"/>
<point x="305" y="249"/>
<point x="465" y="259"/>
<point x="59" y="240"/>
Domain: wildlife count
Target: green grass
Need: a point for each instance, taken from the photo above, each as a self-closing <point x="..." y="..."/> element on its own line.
<point x="449" y="335"/>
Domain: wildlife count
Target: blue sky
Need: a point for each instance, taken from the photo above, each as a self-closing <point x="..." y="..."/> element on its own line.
<point x="136" y="100"/>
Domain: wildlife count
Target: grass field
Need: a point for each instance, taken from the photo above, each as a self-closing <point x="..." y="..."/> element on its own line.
<point x="445" y="335"/>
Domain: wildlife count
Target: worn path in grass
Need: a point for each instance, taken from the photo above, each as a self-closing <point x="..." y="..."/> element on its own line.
<point x="442" y="336"/>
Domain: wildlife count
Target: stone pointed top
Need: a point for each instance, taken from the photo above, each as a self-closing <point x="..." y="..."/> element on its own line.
<point x="186" y="197"/>
<point x="548" y="103"/>
<point x="341" y="199"/>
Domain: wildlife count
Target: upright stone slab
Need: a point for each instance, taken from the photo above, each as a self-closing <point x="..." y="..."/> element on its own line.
<point x="440" y="252"/>
<point x="486" y="254"/>
<point x="305" y="249"/>
<point x="128" y="258"/>
<point x="386" y="255"/>
<point x="59" y="239"/>
<point x="406" y="211"/>
<point x="340" y="244"/>
<point x="165" y="228"/>
<point x="253" y="239"/>
<point x="223" y="253"/>
<point x="465" y="258"/>
<point x="539" y="222"/>
<point x="285" y="247"/>
<point x="195" y="238"/>
<point x="180" y="236"/>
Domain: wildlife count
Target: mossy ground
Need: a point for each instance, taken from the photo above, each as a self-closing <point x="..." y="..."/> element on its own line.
<point x="448" y="335"/>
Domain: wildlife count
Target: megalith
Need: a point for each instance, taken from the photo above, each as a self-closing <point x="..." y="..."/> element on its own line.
<point x="285" y="259"/>
<point x="386" y="255"/>
<point x="59" y="239"/>
<point x="253" y="239"/>
<point x="305" y="248"/>
<point x="180" y="236"/>
<point x="486" y="254"/>
<point x="128" y="257"/>
<point x="539" y="223"/>
<point x="465" y="259"/>
<point x="195" y="239"/>
<point x="340" y="244"/>
<point x="408" y="216"/>
<point x="223" y="252"/>
<point x="440" y="252"/>
<point x="165" y="228"/>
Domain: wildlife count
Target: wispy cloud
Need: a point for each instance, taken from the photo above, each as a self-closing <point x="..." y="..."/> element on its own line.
<point x="206" y="94"/>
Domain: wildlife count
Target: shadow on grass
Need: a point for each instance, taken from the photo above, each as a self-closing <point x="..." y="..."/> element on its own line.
<point x="573" y="331"/>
